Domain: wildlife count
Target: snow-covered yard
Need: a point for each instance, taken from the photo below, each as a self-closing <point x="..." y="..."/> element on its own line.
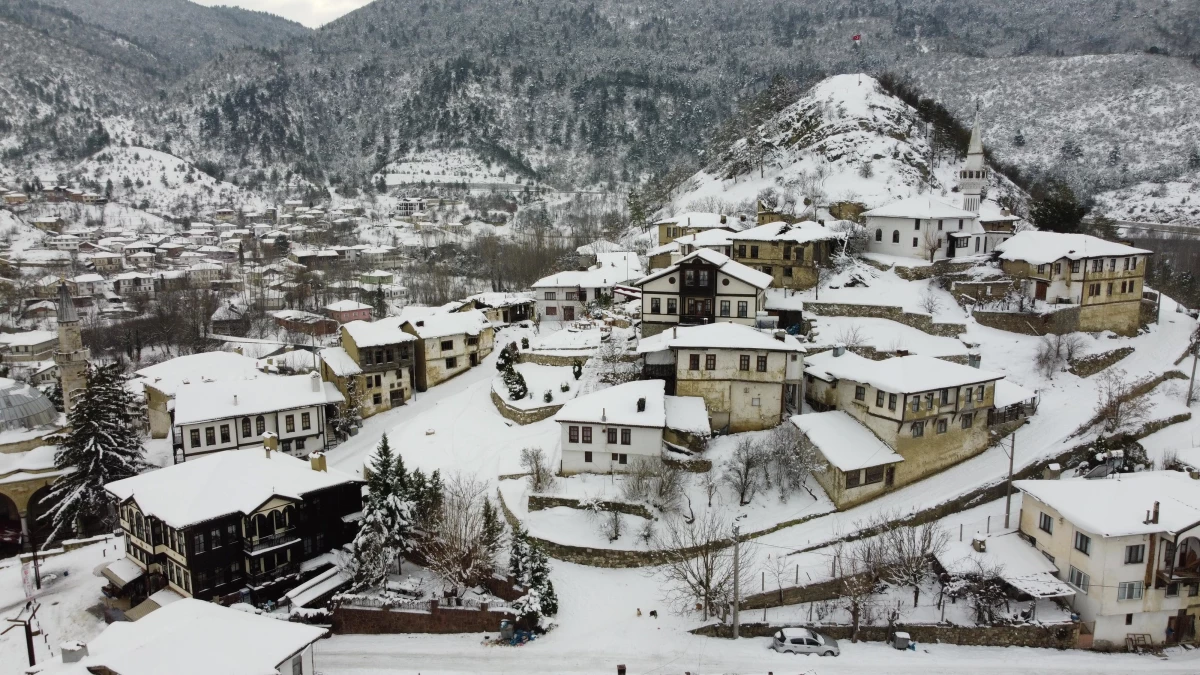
<point x="540" y="379"/>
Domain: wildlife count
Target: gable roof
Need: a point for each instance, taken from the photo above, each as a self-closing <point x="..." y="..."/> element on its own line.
<point x="1116" y="507"/>
<point x="721" y="335"/>
<point x="222" y="483"/>
<point x="618" y="405"/>
<point x="924" y="208"/>
<point x="1040" y="248"/>
<point x="377" y="333"/>
<point x="845" y="442"/>
<point x="169" y="375"/>
<point x="471" y="322"/>
<point x="723" y="262"/>
<point x="899" y="375"/>
<point x="795" y="233"/>
<point x="204" y="401"/>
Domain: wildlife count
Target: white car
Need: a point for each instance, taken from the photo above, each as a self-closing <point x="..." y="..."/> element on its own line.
<point x="804" y="641"/>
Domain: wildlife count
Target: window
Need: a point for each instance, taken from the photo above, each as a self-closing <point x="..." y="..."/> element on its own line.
<point x="1045" y="523"/>
<point x="1133" y="263"/>
<point x="744" y="362"/>
<point x="929" y="401"/>
<point x="201" y="581"/>
<point x="378" y="356"/>
<point x="1041" y="269"/>
<point x="472" y="341"/>
<point x="970" y="393"/>
<point x="305" y="420"/>
<point x="1129" y="590"/>
<point x="1135" y="554"/>
<point x="1128" y="619"/>
<point x="753" y="251"/>
<point x="626" y="436"/>
<point x="572" y="434"/>
<point x="702" y="276"/>
<point x="741" y="251"/>
<point x="689" y="277"/>
<point x="874" y="474"/>
<point x="1078" y="579"/>
<point x="245" y="427"/>
<point x="1173" y="590"/>
<point x="587" y="456"/>
<point x="693" y="362"/>
<point x="198" y="543"/>
<point x="551" y="311"/>
<point x="710" y="361"/>
<point x="939" y="225"/>
<point x="287" y="446"/>
<point x="612" y="436"/>
<point x="879" y="399"/>
<point x="860" y="393"/>
<point x="195" y="437"/>
<point x="377" y="399"/>
<point x="620" y="458"/>
<point x="452" y="362"/>
<point x="656" y="305"/>
<point x="289" y="423"/>
<point x="260" y="425"/>
<point x="914" y="242"/>
<point x="895" y="236"/>
<point x="1097" y="265"/>
<point x="891" y="401"/>
<point x="945" y="395"/>
<point x="787" y="271"/>
<point x="1083" y="543"/>
<point x="587" y="434"/>
<point x="300" y="443"/>
<point x="389" y="355"/>
<point x="1074" y="267"/>
<point x="761" y="364"/>
<point x="941" y="426"/>
<point x="853" y="478"/>
<point x="231" y="532"/>
<point x="979" y="393"/>
<point x="743" y="309"/>
<point x="916" y="403"/>
<point x="210" y="436"/>
<point x="917" y="224"/>
<point x="214" y="538"/>
<point x="672" y="306"/>
<point x="1112" y="264"/>
<point x="918" y="429"/>
<point x="447" y="345"/>
<point x="1110" y="288"/>
<point x="366" y="357"/>
<point x="551" y="295"/>
<point x="766" y="269"/>
<point x="724" y="308"/>
<point x="787" y="251"/>
<point x="1057" y="269"/>
<point x="968" y="420"/>
<point x="879" y="234"/>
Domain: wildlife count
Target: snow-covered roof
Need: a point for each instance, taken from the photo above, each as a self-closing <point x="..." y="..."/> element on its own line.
<point x="28" y="338"/>
<point x="619" y="406"/>
<point x="626" y="262"/>
<point x="1010" y="393"/>
<point x="598" y="246"/>
<point x="340" y="361"/>
<point x="204" y="401"/>
<point x="471" y="322"/>
<point x="723" y="262"/>
<point x="88" y="279"/>
<point x="784" y="300"/>
<point x="597" y="276"/>
<point x="1117" y="507"/>
<point x="498" y="300"/>
<point x="346" y="306"/>
<point x="715" y="237"/>
<point x="923" y="207"/>
<point x="168" y="376"/>
<point x="378" y="333"/>
<point x="125" y="569"/>
<point x="687" y="413"/>
<point x="991" y="212"/>
<point x="670" y="247"/>
<point x="1040" y="248"/>
<point x="900" y="375"/>
<point x="1021" y="565"/>
<point x="796" y="233"/>
<point x="721" y="335"/>
<point x="222" y="483"/>
<point x="844" y="441"/>
<point x="192" y="637"/>
<point x="699" y="220"/>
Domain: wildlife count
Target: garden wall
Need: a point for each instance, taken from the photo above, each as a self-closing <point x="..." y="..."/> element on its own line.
<point x="521" y="416"/>
<point x="922" y="322"/>
<point x="551" y="359"/>
<point x="1030" y="323"/>
<point x="437" y="619"/>
<point x="541" y="502"/>
<point x="921" y="272"/>
<point x="1052" y="636"/>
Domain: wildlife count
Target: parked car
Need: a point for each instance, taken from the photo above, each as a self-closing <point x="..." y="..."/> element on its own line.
<point x="804" y="641"/>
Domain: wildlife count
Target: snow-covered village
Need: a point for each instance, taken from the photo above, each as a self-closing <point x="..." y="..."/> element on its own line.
<point x="855" y="372"/>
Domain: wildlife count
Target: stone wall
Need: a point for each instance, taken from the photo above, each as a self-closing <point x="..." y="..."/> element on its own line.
<point x="1148" y="312"/>
<point x="921" y="272"/>
<point x="686" y="439"/>
<point x="521" y="416"/>
<point x="1048" y="636"/>
<point x="1065" y="320"/>
<point x="551" y="359"/>
<point x="980" y="291"/>
<point x="541" y="502"/>
<point x="691" y="465"/>
<point x="438" y="619"/>
<point x="922" y="322"/>
<point x="869" y="352"/>
<point x="1086" y="366"/>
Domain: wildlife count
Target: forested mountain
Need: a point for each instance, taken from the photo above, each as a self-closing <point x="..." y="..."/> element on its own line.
<point x="585" y="91"/>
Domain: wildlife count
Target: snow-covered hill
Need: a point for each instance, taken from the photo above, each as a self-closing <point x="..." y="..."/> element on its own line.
<point x="1175" y="201"/>
<point x="845" y="140"/>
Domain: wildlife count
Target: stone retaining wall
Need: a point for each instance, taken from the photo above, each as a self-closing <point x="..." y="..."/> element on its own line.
<point x="1147" y="312"/>
<point x="1047" y="636"/>
<point x="541" y="502"/>
<point x="370" y="621"/>
<point x="521" y="416"/>
<point x="1065" y="320"/>
<point x="873" y="354"/>
<point x="693" y="465"/>
<point x="686" y="439"/>
<point x="1086" y="366"/>
<point x="550" y="359"/>
<point x="921" y="272"/>
<point x="922" y="322"/>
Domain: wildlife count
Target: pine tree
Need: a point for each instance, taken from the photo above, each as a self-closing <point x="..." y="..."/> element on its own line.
<point x="493" y="532"/>
<point x="1194" y="159"/>
<point x="104" y="445"/>
<point x="529" y="565"/>
<point x="379" y="302"/>
<point x="1019" y="139"/>
<point x="1114" y="156"/>
<point x="515" y="381"/>
<point x="387" y="516"/>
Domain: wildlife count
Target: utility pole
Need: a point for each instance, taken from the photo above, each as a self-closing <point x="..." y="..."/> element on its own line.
<point x="1012" y="452"/>
<point x="27" y="624"/>
<point x="737" y="595"/>
<point x="1192" y="382"/>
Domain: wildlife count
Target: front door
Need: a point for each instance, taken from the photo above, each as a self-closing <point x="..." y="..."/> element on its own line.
<point x="474" y="360"/>
<point x="568" y="313"/>
<point x="1040" y="291"/>
<point x="396" y="397"/>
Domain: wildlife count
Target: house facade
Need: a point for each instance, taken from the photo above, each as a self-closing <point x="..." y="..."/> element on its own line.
<point x="749" y="379"/>
<point x="790" y="253"/>
<point x="923" y="228"/>
<point x="191" y="529"/>
<point x="931" y="413"/>
<point x="694" y="222"/>
<point x="1129" y="546"/>
<point x="702" y="288"/>
<point x="449" y="344"/>
<point x="565" y="296"/>
<point x="381" y="357"/>
<point x="212" y="417"/>
<point x="345" y="311"/>
<point x="1102" y="279"/>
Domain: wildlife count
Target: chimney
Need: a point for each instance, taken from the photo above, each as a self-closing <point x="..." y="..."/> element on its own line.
<point x="316" y="382"/>
<point x="73" y="652"/>
<point x="421" y="324"/>
<point x="642" y="404"/>
<point x="780" y="335"/>
<point x="674" y="332"/>
<point x="839" y="349"/>
<point x="270" y="442"/>
<point x="974" y="359"/>
<point x="317" y="460"/>
<point x="604" y="414"/>
<point x="1154" y="518"/>
<point x="235" y="399"/>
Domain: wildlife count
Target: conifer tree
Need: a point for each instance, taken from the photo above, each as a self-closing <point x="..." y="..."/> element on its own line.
<point x="528" y="563"/>
<point x="104" y="445"/>
<point x="387" y="516"/>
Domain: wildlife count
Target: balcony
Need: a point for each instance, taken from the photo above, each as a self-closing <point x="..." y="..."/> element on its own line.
<point x="260" y="578"/>
<point x="696" y="319"/>
<point x="253" y="544"/>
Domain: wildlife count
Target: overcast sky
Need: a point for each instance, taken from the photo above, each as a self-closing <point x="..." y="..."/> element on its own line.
<point x="311" y="13"/>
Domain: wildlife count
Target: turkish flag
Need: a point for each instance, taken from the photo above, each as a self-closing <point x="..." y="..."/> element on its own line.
<point x="856" y="38"/>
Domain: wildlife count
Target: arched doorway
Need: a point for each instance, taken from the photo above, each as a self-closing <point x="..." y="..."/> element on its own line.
<point x="10" y="527"/>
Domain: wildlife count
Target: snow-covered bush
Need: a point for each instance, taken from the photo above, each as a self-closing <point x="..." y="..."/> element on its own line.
<point x="548" y="397"/>
<point x="524" y="343"/>
<point x="530" y="567"/>
<point x="515" y="382"/>
<point x="564" y="387"/>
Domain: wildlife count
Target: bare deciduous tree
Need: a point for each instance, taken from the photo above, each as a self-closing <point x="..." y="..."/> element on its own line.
<point x="456" y="547"/>
<point x="1119" y="403"/>
<point x="852" y="336"/>
<point x="791" y="456"/>
<point x="856" y="567"/>
<point x="742" y="471"/>
<point x="908" y="554"/>
<point x="930" y="303"/>
<point x="698" y="563"/>
<point x="541" y="477"/>
<point x="1057" y="351"/>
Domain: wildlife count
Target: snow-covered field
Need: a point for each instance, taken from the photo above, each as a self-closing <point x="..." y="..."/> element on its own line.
<point x="540" y="379"/>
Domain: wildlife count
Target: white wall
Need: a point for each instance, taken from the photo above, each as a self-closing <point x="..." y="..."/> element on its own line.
<point x="275" y="423"/>
<point x="908" y="231"/>
<point x="645" y="442"/>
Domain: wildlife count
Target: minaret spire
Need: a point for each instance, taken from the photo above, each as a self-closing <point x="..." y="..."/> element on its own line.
<point x="71" y="357"/>
<point x="974" y="174"/>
